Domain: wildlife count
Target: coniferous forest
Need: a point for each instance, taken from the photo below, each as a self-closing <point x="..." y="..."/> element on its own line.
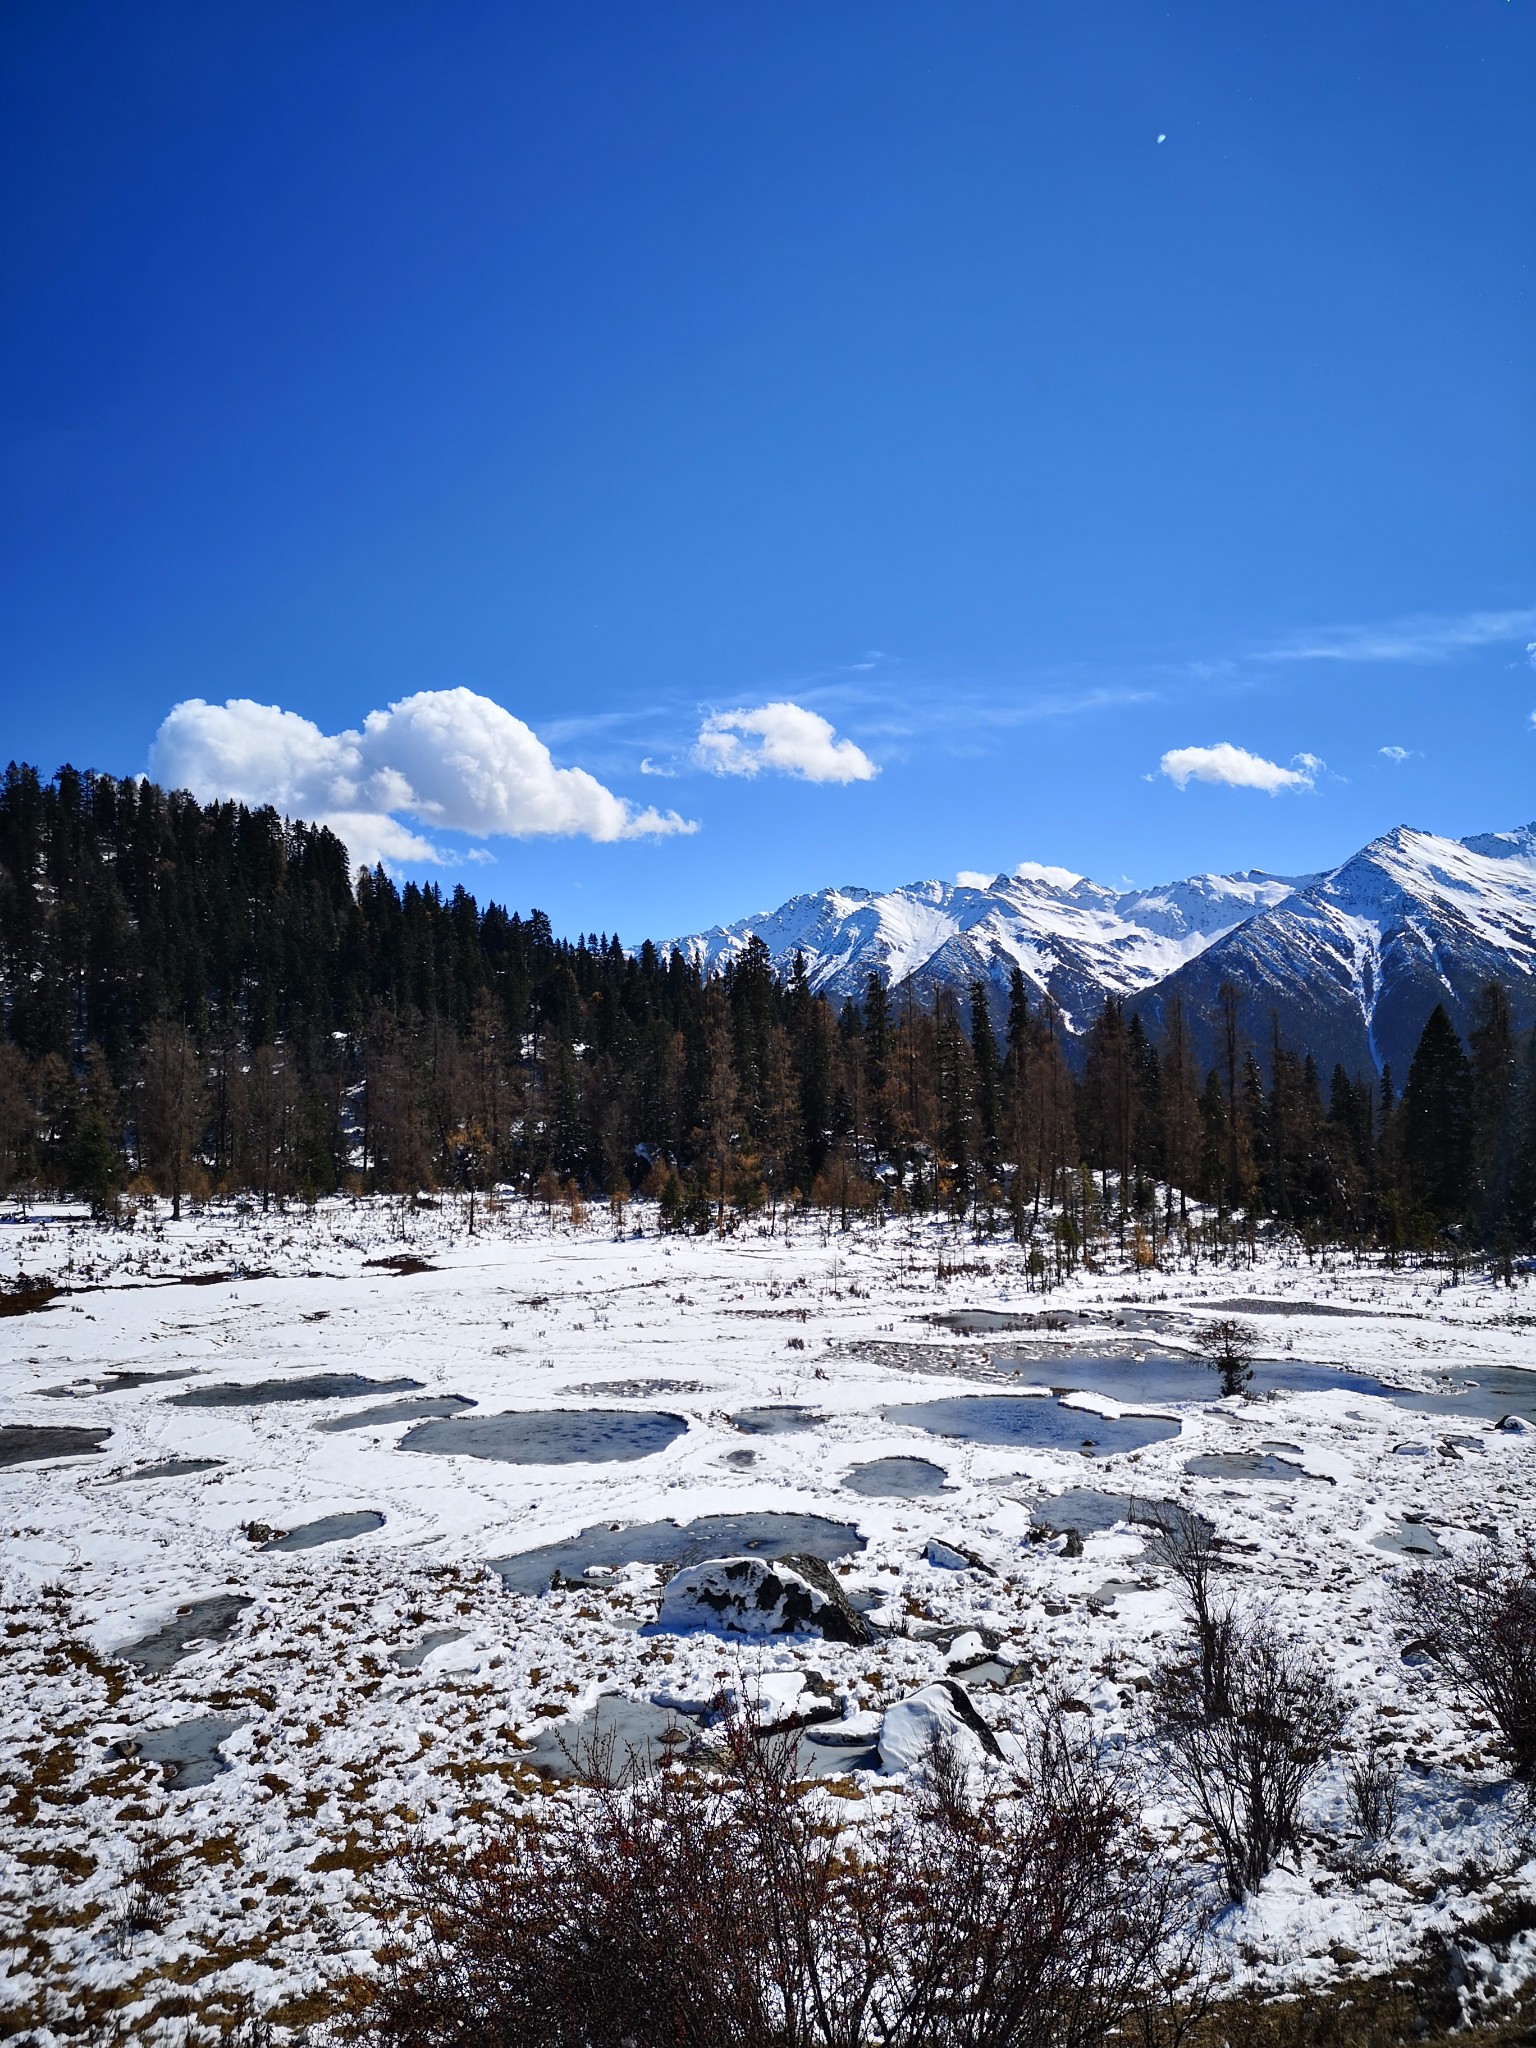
<point x="200" y="999"/>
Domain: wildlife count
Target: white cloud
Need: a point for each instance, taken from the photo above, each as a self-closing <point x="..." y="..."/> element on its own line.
<point x="1039" y="871"/>
<point x="1423" y="638"/>
<point x="789" y="739"/>
<point x="973" y="878"/>
<point x="1396" y="755"/>
<point x="448" y="758"/>
<point x="1237" y="768"/>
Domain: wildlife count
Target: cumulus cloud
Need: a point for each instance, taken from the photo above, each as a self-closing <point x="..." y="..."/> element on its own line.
<point x="445" y="758"/>
<point x="782" y="737"/>
<point x="1041" y="871"/>
<point x="1396" y="755"/>
<point x="1237" y="768"/>
<point x="973" y="878"/>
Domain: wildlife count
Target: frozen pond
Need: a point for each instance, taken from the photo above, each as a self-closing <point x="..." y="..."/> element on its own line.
<point x="189" y="1752"/>
<point x="1487" y="1395"/>
<point x="679" y="1543"/>
<point x="23" y="1443"/>
<point x="315" y="1386"/>
<point x="1244" y="1465"/>
<point x="1035" y="1420"/>
<point x="397" y="1411"/>
<point x="775" y="1421"/>
<point x="200" y="1624"/>
<point x="1154" y="1379"/>
<point x="1090" y="1513"/>
<point x="550" y="1436"/>
<point x="627" y="1737"/>
<point x="328" y="1529"/>
<point x="114" y="1382"/>
<point x="897" y="1478"/>
<point x="1409" y="1539"/>
<point x="411" y="1656"/>
<point x="168" y="1468"/>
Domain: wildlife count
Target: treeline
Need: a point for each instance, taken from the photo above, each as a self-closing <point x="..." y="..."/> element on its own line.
<point x="200" y="998"/>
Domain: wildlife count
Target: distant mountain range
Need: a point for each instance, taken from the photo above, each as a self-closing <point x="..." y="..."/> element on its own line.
<point x="1346" y="965"/>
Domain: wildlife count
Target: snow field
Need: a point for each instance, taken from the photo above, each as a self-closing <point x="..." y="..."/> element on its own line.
<point x="339" y="1752"/>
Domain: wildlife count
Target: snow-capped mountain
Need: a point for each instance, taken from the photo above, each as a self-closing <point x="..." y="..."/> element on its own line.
<point x="1347" y="965"/>
<point x="1352" y="963"/>
<point x="1071" y="937"/>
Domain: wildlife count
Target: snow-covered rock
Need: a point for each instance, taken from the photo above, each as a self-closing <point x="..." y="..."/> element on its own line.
<point x="748" y="1596"/>
<point x="941" y="1711"/>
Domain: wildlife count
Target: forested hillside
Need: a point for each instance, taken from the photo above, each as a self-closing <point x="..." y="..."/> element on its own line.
<point x="200" y="998"/>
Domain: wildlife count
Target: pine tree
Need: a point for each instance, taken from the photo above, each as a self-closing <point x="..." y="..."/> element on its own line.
<point x="1492" y="1044"/>
<point x="1438" y="1133"/>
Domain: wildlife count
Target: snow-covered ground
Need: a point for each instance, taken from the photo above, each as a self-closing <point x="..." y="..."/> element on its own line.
<point x="333" y="1751"/>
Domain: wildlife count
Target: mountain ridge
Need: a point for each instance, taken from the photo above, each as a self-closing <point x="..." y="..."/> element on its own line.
<point x="1346" y="963"/>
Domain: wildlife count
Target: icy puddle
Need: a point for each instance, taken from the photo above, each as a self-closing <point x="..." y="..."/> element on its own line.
<point x="1245" y="1465"/>
<point x="189" y="1753"/>
<point x="626" y="1737"/>
<point x="199" y="1625"/>
<point x="397" y="1411"/>
<point x="677" y="1543"/>
<point x="560" y="1436"/>
<point x="168" y="1468"/>
<point x="897" y="1478"/>
<point x="315" y="1386"/>
<point x="1408" y="1539"/>
<point x="1035" y="1420"/>
<point x="113" y="1382"/>
<point x="24" y="1443"/>
<point x="775" y="1421"/>
<point x="329" y="1529"/>
<point x="411" y="1656"/>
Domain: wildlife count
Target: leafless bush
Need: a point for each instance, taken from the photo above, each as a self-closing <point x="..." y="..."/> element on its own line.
<point x="1244" y="1752"/>
<point x="741" y="1909"/>
<point x="1375" y="1779"/>
<point x="1187" y="1544"/>
<point x="1230" y="1345"/>
<point x="148" y="1893"/>
<point x="1479" y="1620"/>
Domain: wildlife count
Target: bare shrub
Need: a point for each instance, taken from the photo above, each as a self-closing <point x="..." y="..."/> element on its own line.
<point x="1230" y="1346"/>
<point x="1479" y="1620"/>
<point x="1187" y="1544"/>
<point x="1375" y="1783"/>
<point x="739" y="1908"/>
<point x="148" y="1894"/>
<point x="1244" y="1754"/>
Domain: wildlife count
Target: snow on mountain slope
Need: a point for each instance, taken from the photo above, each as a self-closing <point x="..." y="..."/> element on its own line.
<point x="1072" y="938"/>
<point x="1351" y="965"/>
<point x="1346" y="965"/>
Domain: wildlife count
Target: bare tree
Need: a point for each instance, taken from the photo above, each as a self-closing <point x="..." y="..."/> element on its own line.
<point x="1479" y="1619"/>
<point x="173" y="1100"/>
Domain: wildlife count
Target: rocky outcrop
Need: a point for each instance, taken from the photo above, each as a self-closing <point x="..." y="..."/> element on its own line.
<point x="751" y="1596"/>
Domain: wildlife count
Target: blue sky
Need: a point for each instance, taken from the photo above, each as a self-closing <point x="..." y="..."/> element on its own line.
<point x="636" y="368"/>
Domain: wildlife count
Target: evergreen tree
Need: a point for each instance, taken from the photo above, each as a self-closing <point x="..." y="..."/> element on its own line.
<point x="1438" y="1132"/>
